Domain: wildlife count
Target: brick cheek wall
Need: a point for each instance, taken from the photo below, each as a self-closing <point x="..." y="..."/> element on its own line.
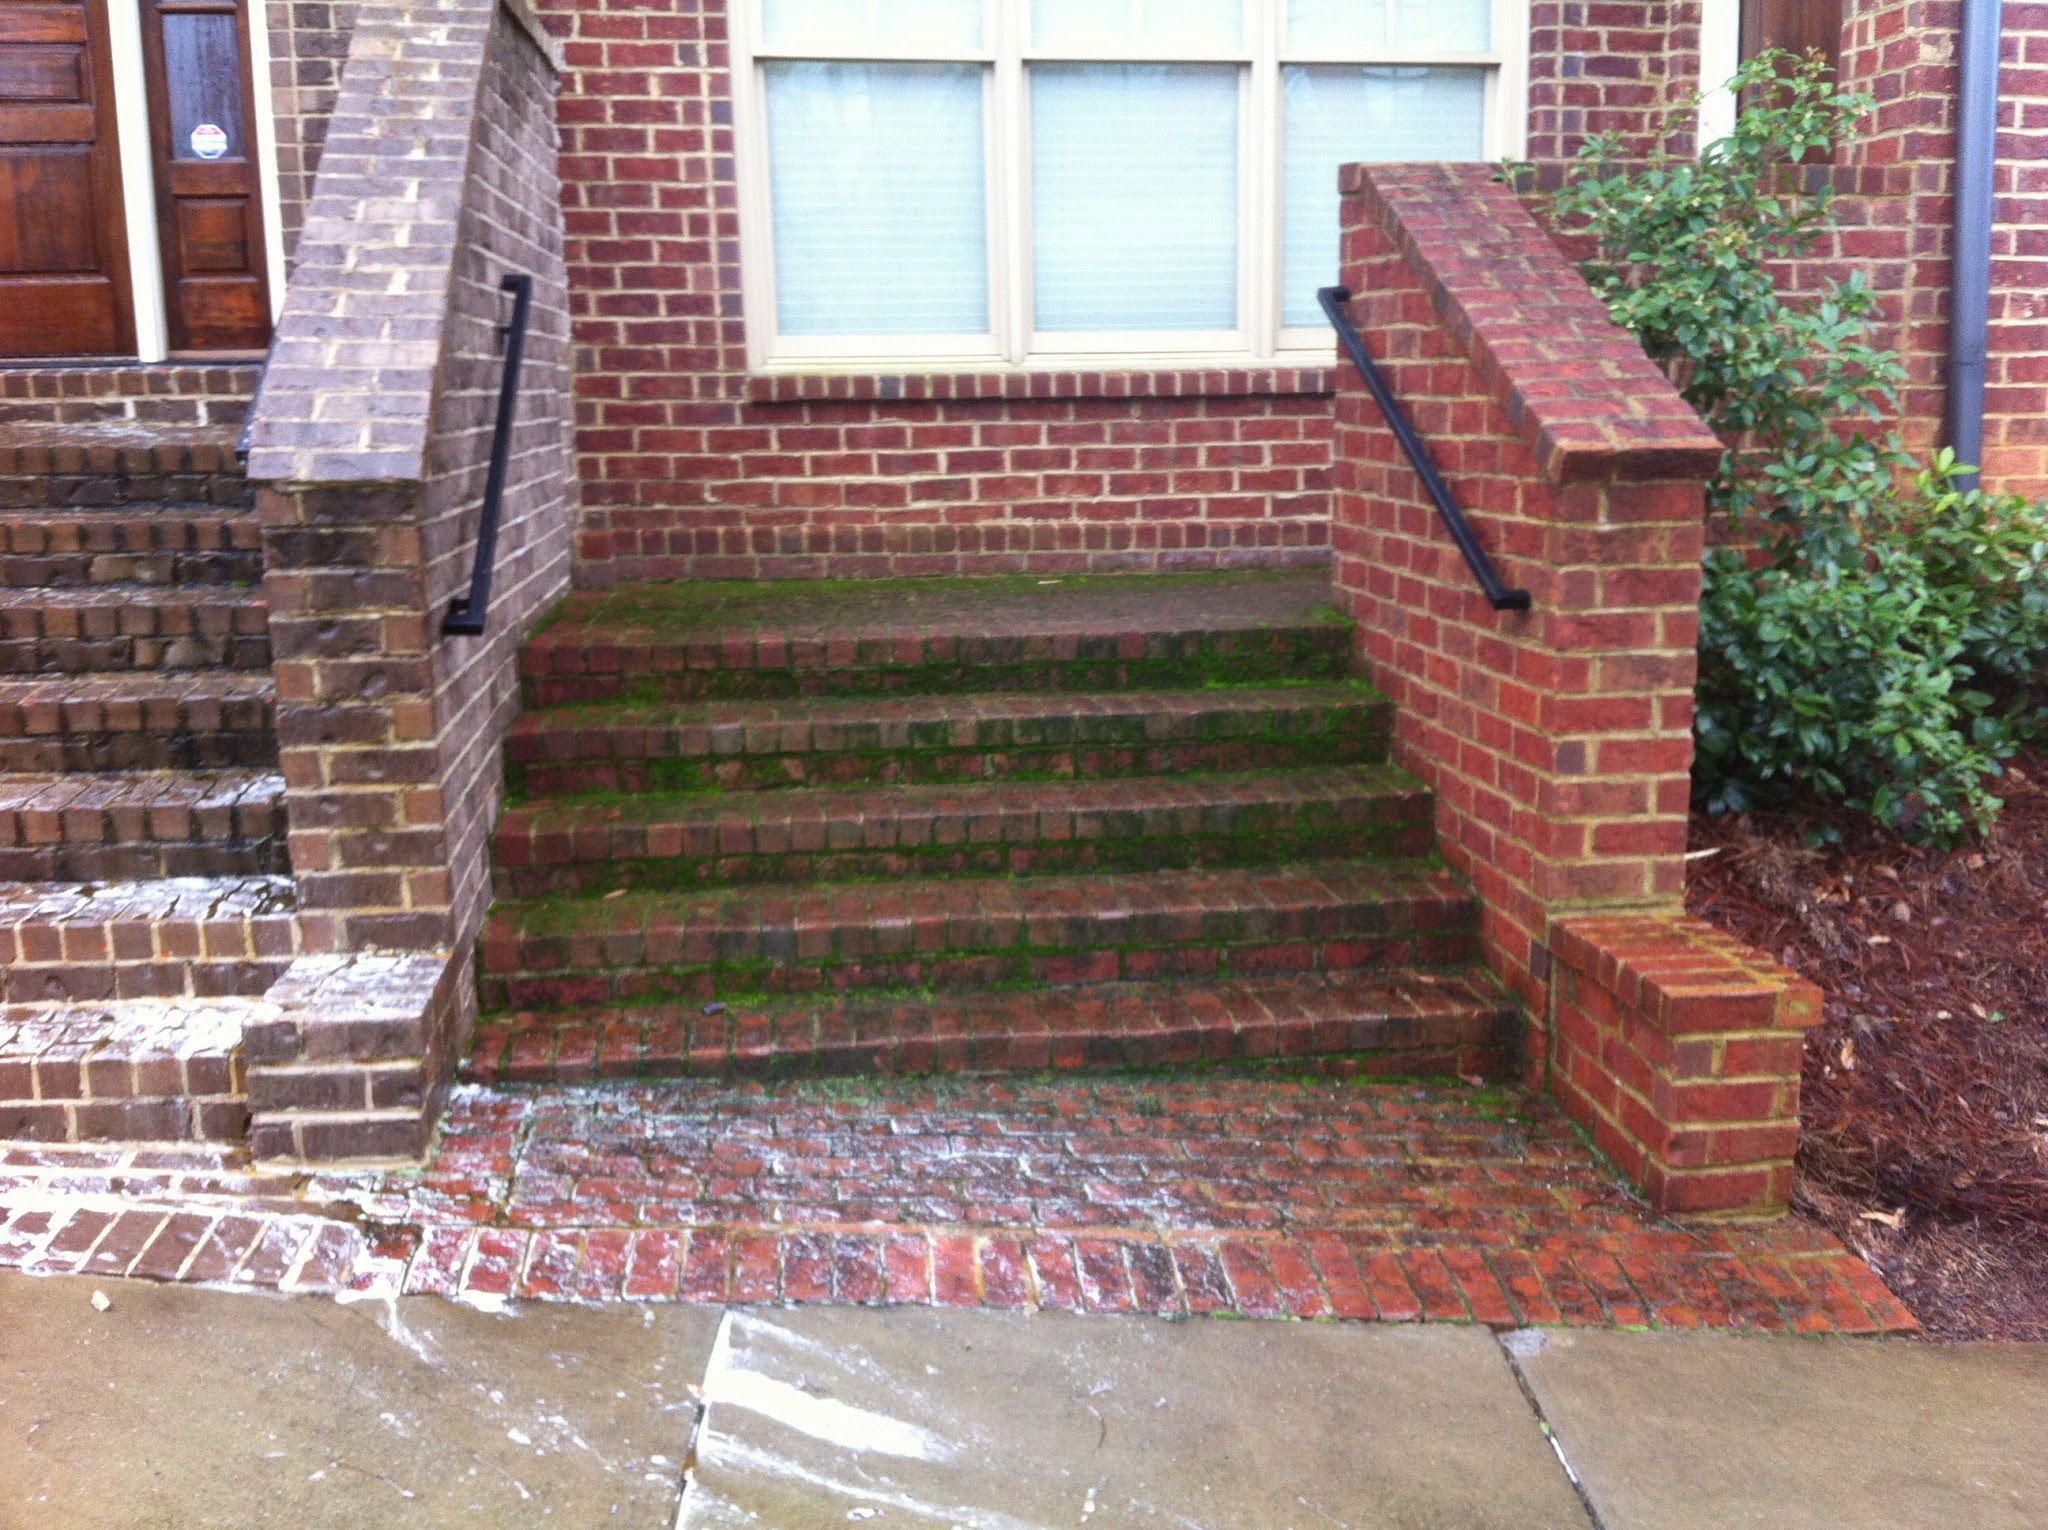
<point x="370" y="443"/>
<point x="1558" y="741"/>
<point x="691" y="468"/>
<point x="1678" y="1049"/>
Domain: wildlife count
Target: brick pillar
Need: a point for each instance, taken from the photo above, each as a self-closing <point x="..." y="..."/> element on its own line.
<point x="1558" y="741"/>
<point x="370" y="444"/>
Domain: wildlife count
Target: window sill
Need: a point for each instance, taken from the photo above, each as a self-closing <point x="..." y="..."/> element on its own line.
<point x="1025" y="384"/>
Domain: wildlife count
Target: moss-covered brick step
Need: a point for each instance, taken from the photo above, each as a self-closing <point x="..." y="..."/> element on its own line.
<point x="1397" y="1020"/>
<point x="697" y="640"/>
<point x="807" y="741"/>
<point x="1145" y="823"/>
<point x="199" y="720"/>
<point x="633" y="946"/>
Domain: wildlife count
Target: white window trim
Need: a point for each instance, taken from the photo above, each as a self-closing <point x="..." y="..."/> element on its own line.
<point x="1010" y="346"/>
<point x="1720" y="55"/>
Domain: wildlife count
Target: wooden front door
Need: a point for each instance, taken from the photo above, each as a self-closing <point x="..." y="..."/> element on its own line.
<point x="64" y="287"/>
<point x="202" y="112"/>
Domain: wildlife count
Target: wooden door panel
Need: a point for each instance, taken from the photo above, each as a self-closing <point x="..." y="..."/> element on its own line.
<point x="43" y="72"/>
<point x="210" y="210"/>
<point x="47" y="226"/>
<point x="1797" y="26"/>
<point x="63" y="251"/>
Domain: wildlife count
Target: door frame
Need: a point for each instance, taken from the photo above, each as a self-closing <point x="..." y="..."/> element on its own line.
<point x="138" y="171"/>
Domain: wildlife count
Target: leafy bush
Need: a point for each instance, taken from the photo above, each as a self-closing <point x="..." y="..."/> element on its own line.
<point x="1868" y="632"/>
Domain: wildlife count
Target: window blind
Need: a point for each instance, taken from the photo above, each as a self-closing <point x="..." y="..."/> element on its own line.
<point x="1345" y="113"/>
<point x="878" y="186"/>
<point x="1134" y="196"/>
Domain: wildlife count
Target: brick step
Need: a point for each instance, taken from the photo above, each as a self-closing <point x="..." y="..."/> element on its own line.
<point x="183" y="937"/>
<point x="629" y="947"/>
<point x="1410" y="1021"/>
<point x="70" y="630"/>
<point x="124" y="828"/>
<point x="1145" y="823"/>
<point x="120" y="463"/>
<point x="799" y="741"/>
<point x="158" y="545"/>
<point x="138" y="1070"/>
<point x="702" y="640"/>
<point x="204" y="720"/>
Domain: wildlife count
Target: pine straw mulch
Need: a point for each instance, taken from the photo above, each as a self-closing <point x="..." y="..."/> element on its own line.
<point x="1925" y="1092"/>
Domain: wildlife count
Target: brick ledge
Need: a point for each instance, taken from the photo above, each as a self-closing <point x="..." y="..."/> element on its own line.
<point x="1106" y="383"/>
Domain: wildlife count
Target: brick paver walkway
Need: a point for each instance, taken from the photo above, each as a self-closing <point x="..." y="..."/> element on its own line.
<point x="1170" y="1195"/>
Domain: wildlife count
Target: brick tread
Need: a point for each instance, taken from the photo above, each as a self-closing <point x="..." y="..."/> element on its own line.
<point x="1104" y="632"/>
<point x="206" y="719"/>
<point x="148" y="544"/>
<point x="54" y="827"/>
<point x="1434" y="1022"/>
<point x="140" y="1070"/>
<point x="198" y="937"/>
<point x="790" y="741"/>
<point x="630" y="946"/>
<point x="984" y="828"/>
<point x="130" y="626"/>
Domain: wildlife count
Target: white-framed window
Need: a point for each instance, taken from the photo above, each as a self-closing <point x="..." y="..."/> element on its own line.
<point x="939" y="184"/>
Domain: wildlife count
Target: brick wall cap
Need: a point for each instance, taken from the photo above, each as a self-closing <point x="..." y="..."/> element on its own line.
<point x="1590" y="404"/>
<point x="1683" y="974"/>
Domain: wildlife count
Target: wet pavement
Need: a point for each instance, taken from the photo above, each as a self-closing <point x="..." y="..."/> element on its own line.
<point x="168" y="1406"/>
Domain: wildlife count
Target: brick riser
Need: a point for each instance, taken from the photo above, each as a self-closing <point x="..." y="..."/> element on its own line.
<point x="944" y="739"/>
<point x="1035" y="829"/>
<point x="753" y="667"/>
<point x="110" y="475"/>
<point x="640" y="947"/>
<point x="105" y="723"/>
<point x="132" y="628"/>
<point x="1410" y="1023"/>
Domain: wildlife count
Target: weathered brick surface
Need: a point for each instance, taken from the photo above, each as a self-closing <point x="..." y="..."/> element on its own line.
<point x="371" y="443"/>
<point x="1558" y="740"/>
<point x="186" y="937"/>
<point x="206" y="720"/>
<point x="1261" y="1197"/>
<point x="1678" y="1047"/>
<point x="146" y="1070"/>
<point x="121" y="828"/>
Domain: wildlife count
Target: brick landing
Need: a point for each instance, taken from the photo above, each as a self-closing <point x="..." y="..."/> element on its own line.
<point x="1183" y="1194"/>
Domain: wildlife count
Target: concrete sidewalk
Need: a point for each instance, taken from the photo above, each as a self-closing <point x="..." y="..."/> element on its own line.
<point x="178" y="1407"/>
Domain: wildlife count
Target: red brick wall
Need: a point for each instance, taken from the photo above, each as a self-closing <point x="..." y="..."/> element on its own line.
<point x="686" y="471"/>
<point x="1607" y="66"/>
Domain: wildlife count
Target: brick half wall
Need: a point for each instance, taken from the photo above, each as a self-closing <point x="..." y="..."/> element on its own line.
<point x="1558" y="740"/>
<point x="370" y="446"/>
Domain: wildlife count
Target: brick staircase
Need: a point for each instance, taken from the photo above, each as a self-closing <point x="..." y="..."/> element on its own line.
<point x="912" y="825"/>
<point x="145" y="901"/>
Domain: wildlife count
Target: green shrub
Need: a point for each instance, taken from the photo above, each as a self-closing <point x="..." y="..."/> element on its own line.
<point x="1868" y="633"/>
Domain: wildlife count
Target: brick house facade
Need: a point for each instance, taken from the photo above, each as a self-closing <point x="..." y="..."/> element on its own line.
<point x="610" y="150"/>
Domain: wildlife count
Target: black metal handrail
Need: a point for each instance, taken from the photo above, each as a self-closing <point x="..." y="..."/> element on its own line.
<point x="1498" y="595"/>
<point x="468" y="614"/>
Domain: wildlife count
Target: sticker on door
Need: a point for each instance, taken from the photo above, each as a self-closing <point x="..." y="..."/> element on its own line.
<point x="208" y="141"/>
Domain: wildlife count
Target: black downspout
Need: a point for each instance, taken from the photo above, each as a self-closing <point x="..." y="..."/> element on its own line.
<point x="1969" y="312"/>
